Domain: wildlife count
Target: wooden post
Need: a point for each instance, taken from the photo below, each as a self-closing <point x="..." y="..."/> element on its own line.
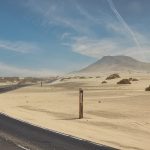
<point x="80" y="103"/>
<point x="41" y="84"/>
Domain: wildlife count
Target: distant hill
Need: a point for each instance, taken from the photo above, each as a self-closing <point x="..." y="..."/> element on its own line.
<point x="116" y="63"/>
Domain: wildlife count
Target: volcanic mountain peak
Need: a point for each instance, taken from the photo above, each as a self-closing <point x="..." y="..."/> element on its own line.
<point x="116" y="63"/>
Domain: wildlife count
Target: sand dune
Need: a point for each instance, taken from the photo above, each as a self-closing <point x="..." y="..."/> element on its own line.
<point x="115" y="115"/>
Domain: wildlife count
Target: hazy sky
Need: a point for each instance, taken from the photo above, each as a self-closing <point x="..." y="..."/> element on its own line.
<point x="41" y="37"/>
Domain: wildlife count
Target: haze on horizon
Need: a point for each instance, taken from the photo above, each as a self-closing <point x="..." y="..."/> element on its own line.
<point x="54" y="37"/>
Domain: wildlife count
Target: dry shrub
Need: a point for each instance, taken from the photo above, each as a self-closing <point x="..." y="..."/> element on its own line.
<point x="82" y="77"/>
<point x="124" y="81"/>
<point x="103" y="82"/>
<point x="98" y="77"/>
<point x="113" y="76"/>
<point x="133" y="79"/>
<point x="147" y="89"/>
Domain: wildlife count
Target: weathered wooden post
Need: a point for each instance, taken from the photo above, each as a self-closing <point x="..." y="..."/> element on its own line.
<point x="41" y="83"/>
<point x="80" y="103"/>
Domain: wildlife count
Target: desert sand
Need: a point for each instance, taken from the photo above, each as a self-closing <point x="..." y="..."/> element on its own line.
<point x="114" y="115"/>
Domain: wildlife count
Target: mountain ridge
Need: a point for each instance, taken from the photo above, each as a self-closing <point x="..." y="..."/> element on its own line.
<point x="116" y="63"/>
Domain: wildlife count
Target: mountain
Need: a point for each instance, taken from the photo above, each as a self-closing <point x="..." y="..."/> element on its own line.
<point x="116" y="63"/>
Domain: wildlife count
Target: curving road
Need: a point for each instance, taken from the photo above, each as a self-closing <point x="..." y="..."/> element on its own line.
<point x="18" y="135"/>
<point x="8" y="88"/>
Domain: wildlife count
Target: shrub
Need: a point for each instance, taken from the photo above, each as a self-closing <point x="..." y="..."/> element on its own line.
<point x="113" y="76"/>
<point x="124" y="81"/>
<point x="133" y="79"/>
<point x="103" y="82"/>
<point x="98" y="77"/>
<point x="147" y="89"/>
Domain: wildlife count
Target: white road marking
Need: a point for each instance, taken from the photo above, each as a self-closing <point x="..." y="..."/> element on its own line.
<point x="23" y="147"/>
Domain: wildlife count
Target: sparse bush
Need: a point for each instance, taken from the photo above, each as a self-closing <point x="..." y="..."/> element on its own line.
<point x="133" y="79"/>
<point x="124" y="81"/>
<point x="82" y="77"/>
<point x="113" y="76"/>
<point x="147" y="89"/>
<point x="130" y="79"/>
<point x="9" y="79"/>
<point x="103" y="82"/>
<point x="98" y="77"/>
<point x="66" y="78"/>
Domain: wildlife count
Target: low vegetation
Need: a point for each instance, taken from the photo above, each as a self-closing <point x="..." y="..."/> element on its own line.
<point x="133" y="79"/>
<point x="98" y="77"/>
<point x="113" y="76"/>
<point x="104" y="82"/>
<point x="24" y="80"/>
<point x="148" y="88"/>
<point x="124" y="81"/>
<point x="82" y="77"/>
<point x="9" y="79"/>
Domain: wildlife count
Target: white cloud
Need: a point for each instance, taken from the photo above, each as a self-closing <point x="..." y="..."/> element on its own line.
<point x="8" y="70"/>
<point x="93" y="48"/>
<point x="116" y="28"/>
<point x="18" y="46"/>
<point x="86" y="14"/>
<point x="121" y="38"/>
<point x="123" y="22"/>
<point x="65" y="35"/>
<point x="53" y="13"/>
<point x="109" y="46"/>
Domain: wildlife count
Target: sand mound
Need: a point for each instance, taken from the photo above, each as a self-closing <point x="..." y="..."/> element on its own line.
<point x="124" y="81"/>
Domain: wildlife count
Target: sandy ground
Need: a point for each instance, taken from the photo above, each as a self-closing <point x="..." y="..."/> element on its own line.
<point x="114" y="115"/>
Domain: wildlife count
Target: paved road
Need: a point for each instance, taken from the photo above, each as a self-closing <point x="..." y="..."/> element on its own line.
<point x="8" y="88"/>
<point x="8" y="145"/>
<point x="36" y="138"/>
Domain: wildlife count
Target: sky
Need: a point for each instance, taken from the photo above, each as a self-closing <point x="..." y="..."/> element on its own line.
<point x="50" y="37"/>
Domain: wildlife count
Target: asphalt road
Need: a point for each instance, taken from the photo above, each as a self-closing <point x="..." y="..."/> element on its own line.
<point x="8" y="88"/>
<point x="31" y="137"/>
<point x="8" y="145"/>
